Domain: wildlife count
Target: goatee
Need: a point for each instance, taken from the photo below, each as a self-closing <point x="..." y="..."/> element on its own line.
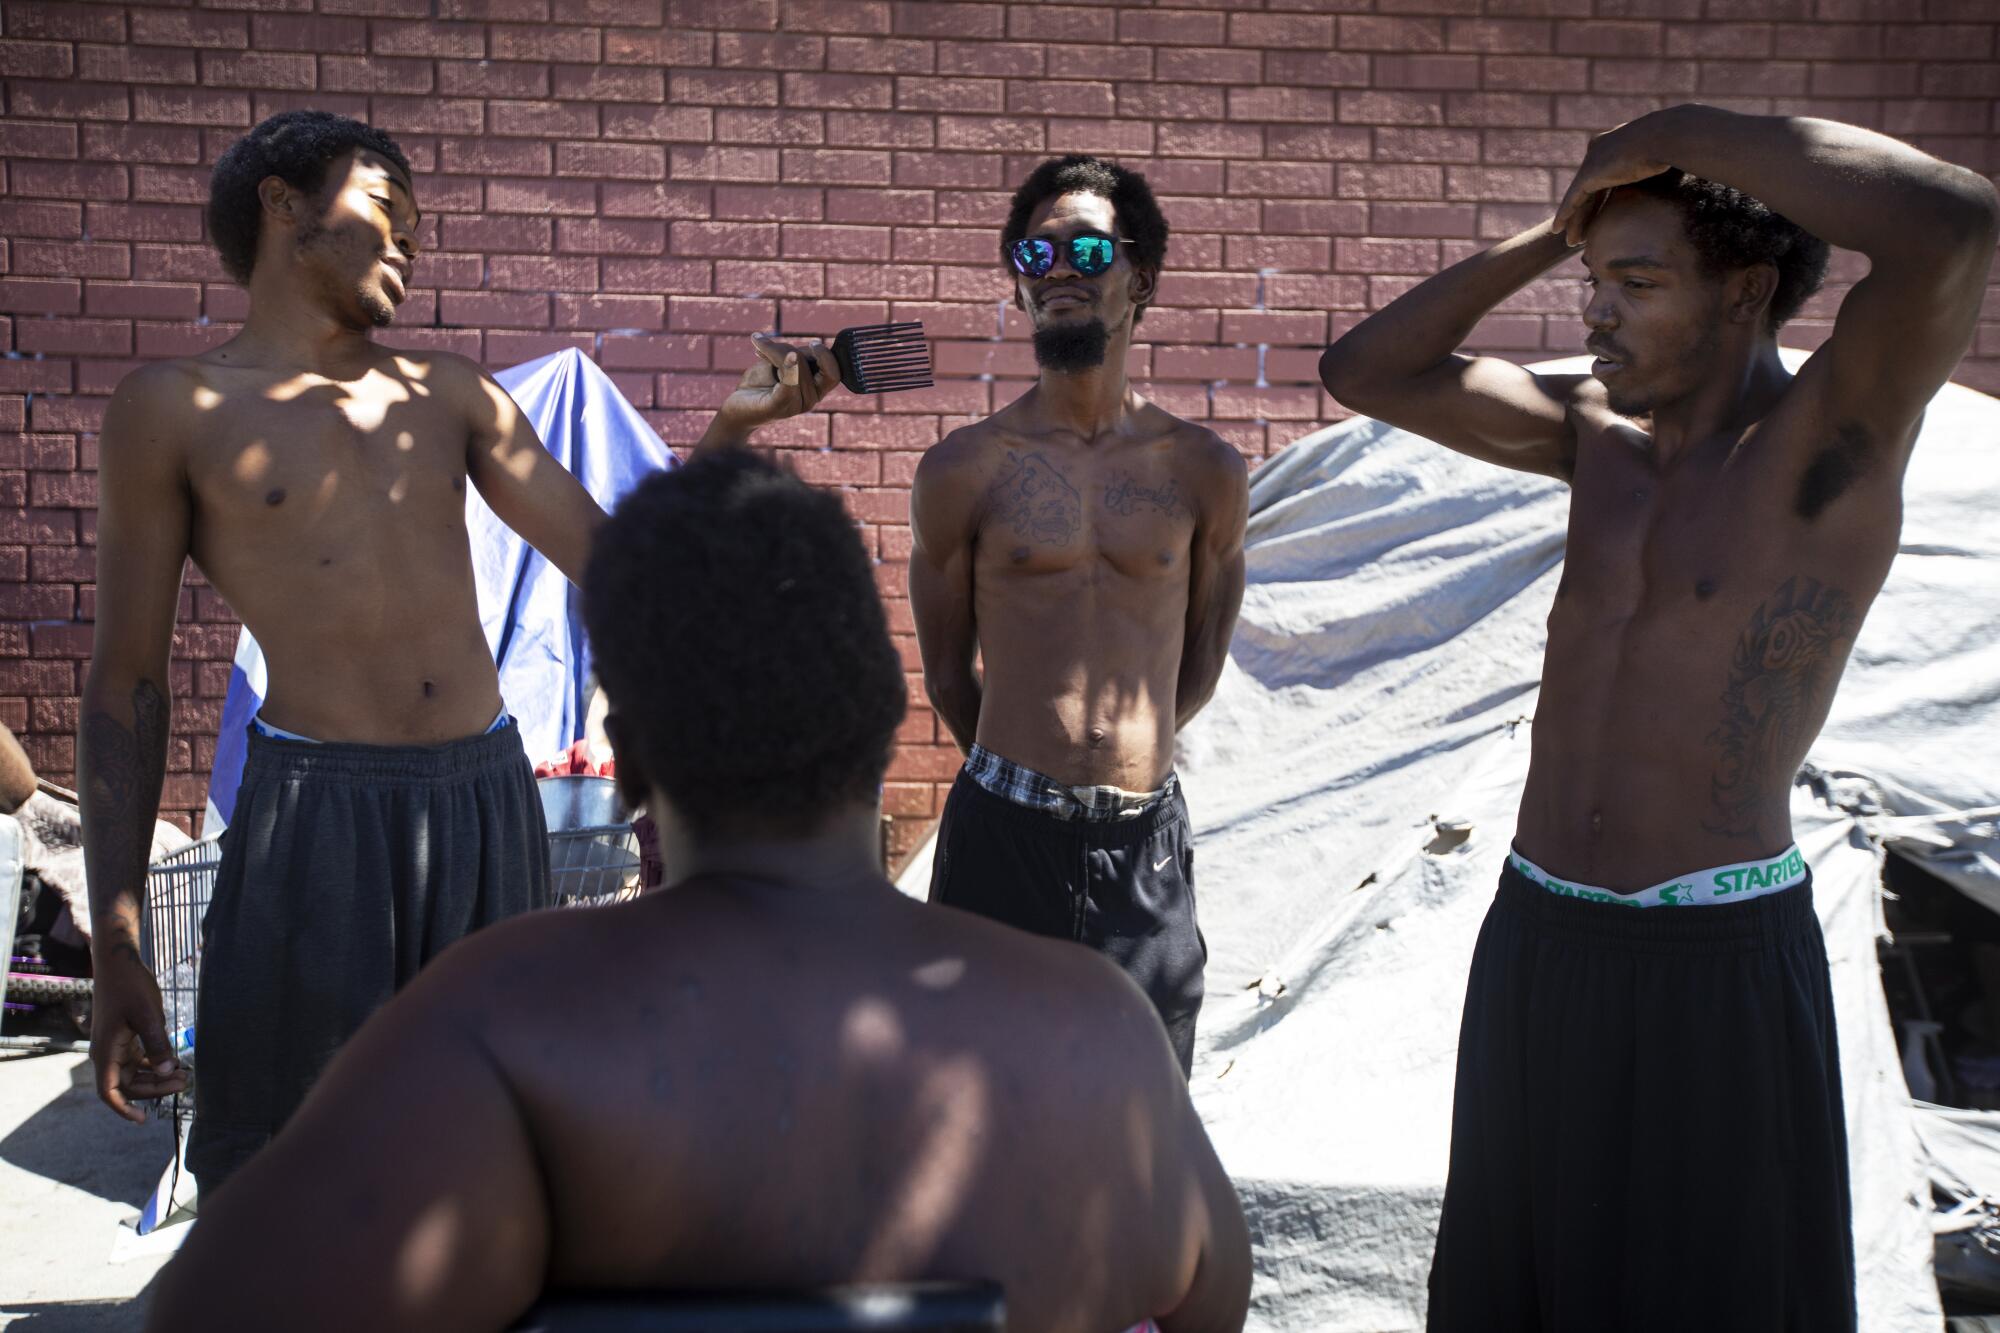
<point x="1070" y="349"/>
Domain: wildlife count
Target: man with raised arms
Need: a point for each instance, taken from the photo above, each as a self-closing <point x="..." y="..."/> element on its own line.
<point x="1088" y="548"/>
<point x="1648" y="1131"/>
<point x="318" y="479"/>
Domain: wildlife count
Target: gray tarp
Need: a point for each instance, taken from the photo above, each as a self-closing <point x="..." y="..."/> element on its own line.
<point x="1382" y="681"/>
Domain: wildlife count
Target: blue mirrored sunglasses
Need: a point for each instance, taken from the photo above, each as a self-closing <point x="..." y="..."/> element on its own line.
<point x="1090" y="253"/>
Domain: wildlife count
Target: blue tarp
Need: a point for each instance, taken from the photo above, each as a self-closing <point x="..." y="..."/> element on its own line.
<point x="528" y="609"/>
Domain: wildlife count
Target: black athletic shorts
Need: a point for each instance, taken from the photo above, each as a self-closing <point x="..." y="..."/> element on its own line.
<point x="1122" y="887"/>
<point x="345" y="869"/>
<point x="1647" y="1134"/>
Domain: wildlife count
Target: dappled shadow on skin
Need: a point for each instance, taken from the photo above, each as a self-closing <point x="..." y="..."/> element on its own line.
<point x="294" y="440"/>
<point x="330" y="514"/>
<point x="956" y="1179"/>
<point x="77" y="1141"/>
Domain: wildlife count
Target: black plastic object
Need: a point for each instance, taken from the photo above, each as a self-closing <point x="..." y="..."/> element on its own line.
<point x="912" y="1307"/>
<point x="883" y="358"/>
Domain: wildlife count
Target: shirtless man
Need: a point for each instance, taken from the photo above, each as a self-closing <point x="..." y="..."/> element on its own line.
<point x="1089" y="548"/>
<point x="1648" y="1131"/>
<point x="319" y="480"/>
<point x="792" y="1075"/>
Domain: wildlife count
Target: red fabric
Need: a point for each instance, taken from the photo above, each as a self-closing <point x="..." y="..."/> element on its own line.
<point x="576" y="760"/>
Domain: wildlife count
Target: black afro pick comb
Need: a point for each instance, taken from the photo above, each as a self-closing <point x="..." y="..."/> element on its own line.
<point x="883" y="358"/>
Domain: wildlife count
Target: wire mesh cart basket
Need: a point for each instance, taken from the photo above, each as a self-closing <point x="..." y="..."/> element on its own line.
<point x="592" y="866"/>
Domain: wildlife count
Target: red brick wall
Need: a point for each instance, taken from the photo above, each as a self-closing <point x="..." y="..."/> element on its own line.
<point x="649" y="181"/>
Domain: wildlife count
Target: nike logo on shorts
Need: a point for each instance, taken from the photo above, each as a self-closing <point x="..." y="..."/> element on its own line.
<point x="1162" y="861"/>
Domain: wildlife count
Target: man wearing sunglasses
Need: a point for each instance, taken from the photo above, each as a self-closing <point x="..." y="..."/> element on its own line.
<point x="1087" y="547"/>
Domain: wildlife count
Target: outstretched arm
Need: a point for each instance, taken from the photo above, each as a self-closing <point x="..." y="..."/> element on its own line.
<point x="784" y="380"/>
<point x="943" y="516"/>
<point x="1402" y="365"/>
<point x="521" y="480"/>
<point x="544" y="502"/>
<point x="1215" y="580"/>
<point x="1928" y="229"/>
<point x="121" y="743"/>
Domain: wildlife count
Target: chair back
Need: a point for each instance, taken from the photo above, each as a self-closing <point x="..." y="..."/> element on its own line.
<point x="908" y="1307"/>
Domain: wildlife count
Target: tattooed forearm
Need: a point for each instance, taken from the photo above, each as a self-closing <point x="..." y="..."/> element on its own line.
<point x="1124" y="495"/>
<point x="1781" y="679"/>
<point x="123" y="769"/>
<point x="1036" y="500"/>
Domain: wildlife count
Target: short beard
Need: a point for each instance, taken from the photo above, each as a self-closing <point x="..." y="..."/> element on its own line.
<point x="315" y="240"/>
<point x="1071" y="349"/>
<point x="1692" y="367"/>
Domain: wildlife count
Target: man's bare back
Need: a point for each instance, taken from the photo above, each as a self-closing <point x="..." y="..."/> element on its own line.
<point x="777" y="1072"/>
<point x="739" y="1084"/>
<point x="1082" y="557"/>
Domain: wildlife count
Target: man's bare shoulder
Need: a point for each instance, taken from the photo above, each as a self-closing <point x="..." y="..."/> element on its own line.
<point x="1588" y="406"/>
<point x="961" y="457"/>
<point x="1090" y="992"/>
<point x="170" y="385"/>
<point x="445" y="372"/>
<point x="157" y="406"/>
<point x="1215" y="466"/>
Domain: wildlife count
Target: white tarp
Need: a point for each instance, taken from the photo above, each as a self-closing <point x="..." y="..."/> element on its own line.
<point x="1382" y="681"/>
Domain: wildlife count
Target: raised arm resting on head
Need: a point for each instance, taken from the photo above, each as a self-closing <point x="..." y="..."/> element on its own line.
<point x="1927" y="227"/>
<point x="1402" y="365"/>
<point x="121" y="746"/>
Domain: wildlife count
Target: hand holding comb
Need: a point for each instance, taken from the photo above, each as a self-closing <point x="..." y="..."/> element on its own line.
<point x="881" y="358"/>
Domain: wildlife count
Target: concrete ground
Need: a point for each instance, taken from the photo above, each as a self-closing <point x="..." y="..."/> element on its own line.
<point x="73" y="1177"/>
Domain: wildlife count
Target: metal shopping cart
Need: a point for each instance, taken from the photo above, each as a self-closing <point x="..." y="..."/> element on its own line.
<point x="179" y="887"/>
<point x="589" y="867"/>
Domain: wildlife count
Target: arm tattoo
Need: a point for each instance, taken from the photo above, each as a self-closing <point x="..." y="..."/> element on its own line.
<point x="1780" y="680"/>
<point x="120" y="801"/>
<point x="1123" y="495"/>
<point x="1036" y="500"/>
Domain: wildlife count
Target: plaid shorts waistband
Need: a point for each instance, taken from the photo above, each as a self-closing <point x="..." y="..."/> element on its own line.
<point x="1033" y="790"/>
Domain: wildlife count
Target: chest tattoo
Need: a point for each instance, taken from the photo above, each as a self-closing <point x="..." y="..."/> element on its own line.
<point x="1036" y="500"/>
<point x="1783" y="671"/>
<point x="1124" y="495"/>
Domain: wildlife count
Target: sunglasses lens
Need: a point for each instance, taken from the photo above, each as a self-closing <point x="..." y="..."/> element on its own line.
<point x="1034" y="256"/>
<point x="1090" y="254"/>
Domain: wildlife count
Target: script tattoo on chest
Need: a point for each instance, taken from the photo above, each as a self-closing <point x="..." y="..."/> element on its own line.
<point x="1125" y="496"/>
<point x="1036" y="500"/>
<point x="1783" y="670"/>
